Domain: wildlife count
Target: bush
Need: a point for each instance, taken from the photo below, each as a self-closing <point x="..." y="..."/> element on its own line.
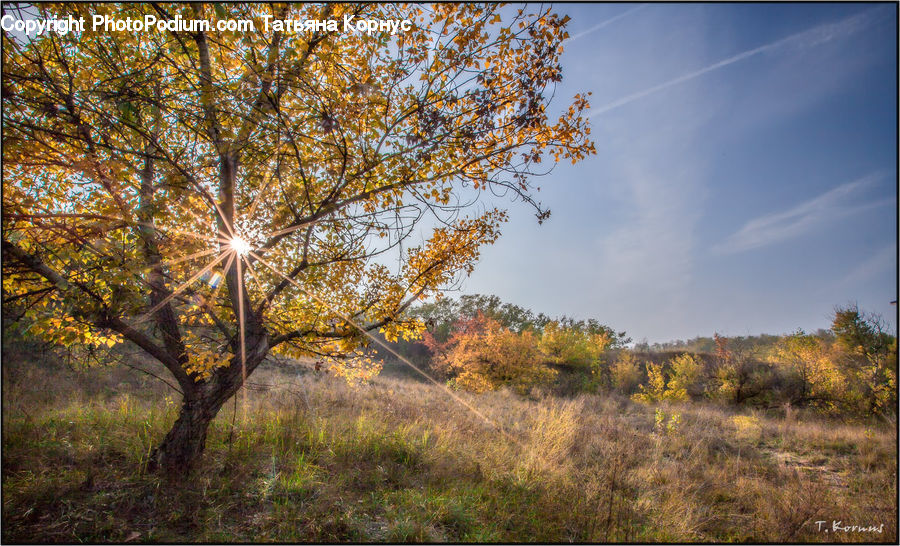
<point x="739" y="378"/>
<point x="625" y="372"/>
<point x="687" y="378"/>
<point x="655" y="389"/>
<point x="575" y="347"/>
<point x="818" y="381"/>
<point x="481" y="355"/>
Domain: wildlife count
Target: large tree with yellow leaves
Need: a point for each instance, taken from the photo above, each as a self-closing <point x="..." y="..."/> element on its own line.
<point x="215" y="196"/>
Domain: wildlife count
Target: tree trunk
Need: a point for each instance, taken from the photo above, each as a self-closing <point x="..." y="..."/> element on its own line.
<point x="182" y="447"/>
<point x="184" y="443"/>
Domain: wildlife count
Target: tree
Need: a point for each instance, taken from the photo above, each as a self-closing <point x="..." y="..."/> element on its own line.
<point x="440" y="316"/>
<point x="212" y="196"/>
<point x="739" y="377"/>
<point x="625" y="372"/>
<point x="483" y="355"/>
<point x="509" y="315"/>
<point x="687" y="378"/>
<point x="568" y="346"/>
<point x="868" y="356"/>
<point x="819" y="381"/>
<point x="655" y="389"/>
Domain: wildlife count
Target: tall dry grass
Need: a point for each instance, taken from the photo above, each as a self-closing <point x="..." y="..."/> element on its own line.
<point x="310" y="458"/>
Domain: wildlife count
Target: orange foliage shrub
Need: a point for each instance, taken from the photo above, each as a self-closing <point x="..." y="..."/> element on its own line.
<point x="481" y="355"/>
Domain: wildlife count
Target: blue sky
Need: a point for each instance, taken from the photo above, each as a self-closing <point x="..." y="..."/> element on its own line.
<point x="745" y="179"/>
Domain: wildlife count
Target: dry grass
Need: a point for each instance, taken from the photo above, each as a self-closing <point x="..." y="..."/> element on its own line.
<point x="399" y="460"/>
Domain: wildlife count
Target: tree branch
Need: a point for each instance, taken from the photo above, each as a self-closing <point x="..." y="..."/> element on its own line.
<point x="103" y="319"/>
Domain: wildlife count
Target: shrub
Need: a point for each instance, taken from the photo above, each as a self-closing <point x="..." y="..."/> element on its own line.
<point x="687" y="378"/>
<point x="572" y="346"/>
<point x="739" y="378"/>
<point x="867" y="355"/>
<point x="626" y="372"/>
<point x="655" y="389"/>
<point x="481" y="355"/>
<point x="818" y="381"/>
<point x="747" y="427"/>
<point x="670" y="428"/>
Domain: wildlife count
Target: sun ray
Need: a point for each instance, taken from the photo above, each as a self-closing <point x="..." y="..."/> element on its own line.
<point x="218" y="286"/>
<point x="242" y="333"/>
<point x="255" y="277"/>
<point x="174" y="261"/>
<point x="108" y="218"/>
<point x="176" y="231"/>
<point x="400" y="357"/>
<point x="257" y="198"/>
<point x="229" y="228"/>
<point x="180" y="289"/>
<point x="239" y="245"/>
<point x="231" y="257"/>
<point x="199" y="220"/>
<point x="286" y="230"/>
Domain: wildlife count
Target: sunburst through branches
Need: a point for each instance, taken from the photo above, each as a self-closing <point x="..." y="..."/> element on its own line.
<point x="239" y="245"/>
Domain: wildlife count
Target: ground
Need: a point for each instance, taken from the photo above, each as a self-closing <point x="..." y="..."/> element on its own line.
<point x="312" y="459"/>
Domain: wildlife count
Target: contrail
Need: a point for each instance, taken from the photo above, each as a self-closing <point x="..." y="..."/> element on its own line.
<point x="804" y="39"/>
<point x="605" y="23"/>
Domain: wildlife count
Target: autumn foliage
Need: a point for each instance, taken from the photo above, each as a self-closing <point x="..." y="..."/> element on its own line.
<point x="482" y="355"/>
<point x="213" y="197"/>
<point x="848" y="370"/>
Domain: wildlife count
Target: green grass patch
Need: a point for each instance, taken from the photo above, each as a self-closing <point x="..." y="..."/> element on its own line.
<point x="398" y="463"/>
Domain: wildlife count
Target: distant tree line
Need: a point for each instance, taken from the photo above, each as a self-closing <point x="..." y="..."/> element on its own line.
<point x="480" y="343"/>
<point x="702" y="344"/>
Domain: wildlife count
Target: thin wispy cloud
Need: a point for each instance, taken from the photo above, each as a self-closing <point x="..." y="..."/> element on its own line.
<point x="805" y="39"/>
<point x="606" y="23"/>
<point x="632" y="233"/>
<point x="780" y="226"/>
<point x="879" y="262"/>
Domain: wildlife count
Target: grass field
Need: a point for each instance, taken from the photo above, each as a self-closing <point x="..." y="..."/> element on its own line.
<point x="312" y="459"/>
